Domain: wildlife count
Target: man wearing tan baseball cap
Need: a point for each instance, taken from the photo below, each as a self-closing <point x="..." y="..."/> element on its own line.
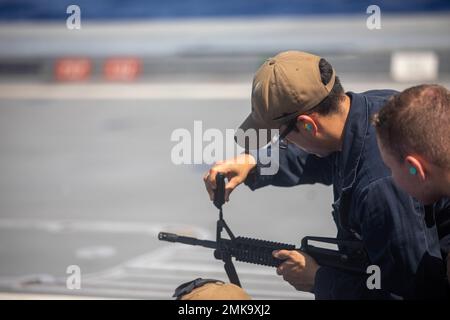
<point x="284" y="87"/>
<point x="325" y="137"/>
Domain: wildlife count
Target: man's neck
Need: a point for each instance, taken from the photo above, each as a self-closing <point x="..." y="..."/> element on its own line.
<point x="339" y="120"/>
<point x="440" y="180"/>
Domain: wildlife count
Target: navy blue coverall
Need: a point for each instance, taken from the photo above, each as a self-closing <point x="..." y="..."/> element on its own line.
<point x="367" y="206"/>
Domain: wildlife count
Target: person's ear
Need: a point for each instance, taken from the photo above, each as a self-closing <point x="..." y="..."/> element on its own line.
<point x="415" y="167"/>
<point x="308" y="124"/>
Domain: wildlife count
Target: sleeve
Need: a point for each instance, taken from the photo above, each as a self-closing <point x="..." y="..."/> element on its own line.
<point x="290" y="166"/>
<point x="397" y="241"/>
<point x="332" y="284"/>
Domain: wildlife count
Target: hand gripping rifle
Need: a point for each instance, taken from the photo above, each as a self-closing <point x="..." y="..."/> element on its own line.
<point x="352" y="259"/>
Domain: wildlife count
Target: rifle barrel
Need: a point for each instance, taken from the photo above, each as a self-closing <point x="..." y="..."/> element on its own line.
<point x="172" y="237"/>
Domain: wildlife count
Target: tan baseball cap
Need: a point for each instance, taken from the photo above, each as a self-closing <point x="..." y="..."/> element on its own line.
<point x="217" y="290"/>
<point x="284" y="87"/>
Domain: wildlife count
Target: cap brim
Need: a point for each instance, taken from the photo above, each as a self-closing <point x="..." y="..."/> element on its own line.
<point x="253" y="134"/>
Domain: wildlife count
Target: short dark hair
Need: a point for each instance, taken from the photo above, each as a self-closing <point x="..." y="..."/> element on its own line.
<point x="417" y="121"/>
<point x="331" y="103"/>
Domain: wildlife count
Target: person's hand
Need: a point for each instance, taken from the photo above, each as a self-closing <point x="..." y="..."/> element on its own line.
<point x="236" y="170"/>
<point x="299" y="269"/>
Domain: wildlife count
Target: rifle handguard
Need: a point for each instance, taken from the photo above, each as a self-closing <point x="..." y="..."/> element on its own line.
<point x="257" y="251"/>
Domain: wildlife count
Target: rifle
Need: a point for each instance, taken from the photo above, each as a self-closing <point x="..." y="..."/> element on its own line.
<point x="352" y="259"/>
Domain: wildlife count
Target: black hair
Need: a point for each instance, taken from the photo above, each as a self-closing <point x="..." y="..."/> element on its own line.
<point x="331" y="103"/>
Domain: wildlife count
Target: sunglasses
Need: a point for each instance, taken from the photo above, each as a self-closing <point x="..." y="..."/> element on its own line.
<point x="290" y="126"/>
